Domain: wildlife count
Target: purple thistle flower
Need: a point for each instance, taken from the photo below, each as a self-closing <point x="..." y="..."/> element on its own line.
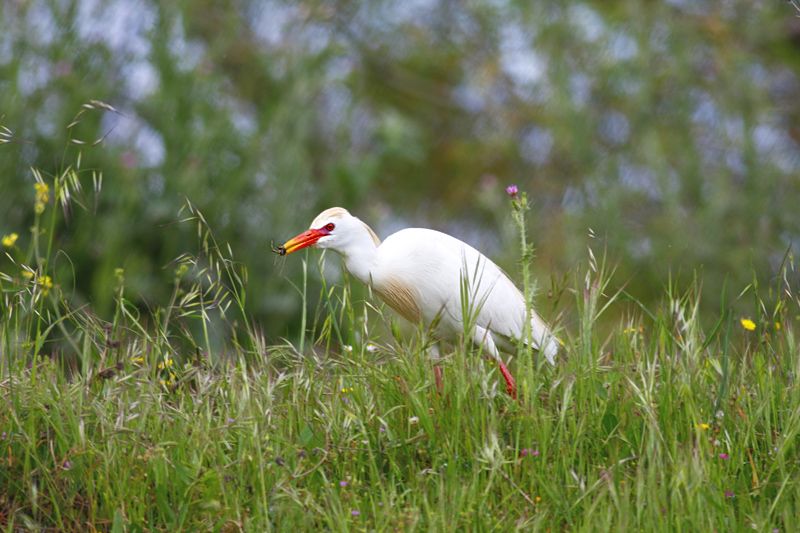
<point x="512" y="191"/>
<point x="355" y="512"/>
<point x="724" y="456"/>
<point x="343" y="483"/>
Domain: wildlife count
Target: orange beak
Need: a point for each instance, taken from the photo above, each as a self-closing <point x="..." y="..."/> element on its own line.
<point x="305" y="239"/>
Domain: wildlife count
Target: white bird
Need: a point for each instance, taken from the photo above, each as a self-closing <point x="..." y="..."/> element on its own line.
<point x="423" y="274"/>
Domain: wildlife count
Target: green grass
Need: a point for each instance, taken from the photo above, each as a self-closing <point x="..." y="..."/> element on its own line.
<point x="185" y="418"/>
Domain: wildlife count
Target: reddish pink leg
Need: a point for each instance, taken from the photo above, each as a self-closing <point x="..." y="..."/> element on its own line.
<point x="437" y="372"/>
<point x="511" y="387"/>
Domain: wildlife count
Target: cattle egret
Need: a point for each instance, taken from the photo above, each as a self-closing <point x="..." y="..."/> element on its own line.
<point x="424" y="274"/>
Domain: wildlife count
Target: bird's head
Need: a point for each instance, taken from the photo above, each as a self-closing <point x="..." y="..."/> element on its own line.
<point x="334" y="228"/>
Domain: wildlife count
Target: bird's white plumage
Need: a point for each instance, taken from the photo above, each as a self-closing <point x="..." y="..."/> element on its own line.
<point x="423" y="274"/>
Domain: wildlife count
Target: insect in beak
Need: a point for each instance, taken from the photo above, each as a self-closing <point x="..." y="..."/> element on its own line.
<point x="280" y="250"/>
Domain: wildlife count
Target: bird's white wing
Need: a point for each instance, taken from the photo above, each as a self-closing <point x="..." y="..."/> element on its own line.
<point x="502" y="305"/>
<point x="432" y="270"/>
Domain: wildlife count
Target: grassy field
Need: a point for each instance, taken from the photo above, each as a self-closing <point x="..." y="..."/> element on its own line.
<point x="185" y="418"/>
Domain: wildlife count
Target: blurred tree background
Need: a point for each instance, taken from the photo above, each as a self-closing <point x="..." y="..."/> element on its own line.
<point x="668" y="128"/>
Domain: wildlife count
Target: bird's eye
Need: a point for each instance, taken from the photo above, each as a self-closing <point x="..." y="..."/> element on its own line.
<point x="329" y="226"/>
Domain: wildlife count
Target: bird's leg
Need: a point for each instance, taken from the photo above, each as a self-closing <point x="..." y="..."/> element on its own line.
<point x="511" y="387"/>
<point x="483" y="336"/>
<point x="437" y="370"/>
<point x="437" y="373"/>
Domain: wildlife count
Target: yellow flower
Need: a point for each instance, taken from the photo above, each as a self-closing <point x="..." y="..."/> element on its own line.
<point x="45" y="283"/>
<point x="166" y="363"/>
<point x="137" y="360"/>
<point x="777" y="326"/>
<point x="10" y="239"/>
<point x="42" y="196"/>
<point x="537" y="499"/>
<point x="703" y="426"/>
<point x="27" y="274"/>
<point x="168" y="382"/>
<point x="42" y="192"/>
<point x="748" y="324"/>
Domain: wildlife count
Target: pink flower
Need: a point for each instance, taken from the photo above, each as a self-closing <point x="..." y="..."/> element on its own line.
<point x="355" y="512"/>
<point x="724" y="456"/>
<point x="524" y="452"/>
<point x="128" y="159"/>
<point x="729" y="494"/>
<point x="343" y="483"/>
<point x="512" y="191"/>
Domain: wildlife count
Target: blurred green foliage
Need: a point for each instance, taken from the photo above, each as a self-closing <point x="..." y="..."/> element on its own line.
<point x="668" y="130"/>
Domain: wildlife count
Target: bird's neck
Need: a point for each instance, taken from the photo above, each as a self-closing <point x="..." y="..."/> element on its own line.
<point x="360" y="254"/>
<point x="359" y="260"/>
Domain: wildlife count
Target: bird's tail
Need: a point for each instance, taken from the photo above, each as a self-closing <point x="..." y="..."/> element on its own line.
<point x="543" y="338"/>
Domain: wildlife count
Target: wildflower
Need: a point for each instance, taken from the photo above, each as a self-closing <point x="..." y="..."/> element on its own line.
<point x="10" y="239"/>
<point x="724" y="456"/>
<point x="703" y="426"/>
<point x="137" y="360"/>
<point x="166" y="363"/>
<point x="537" y="499"/>
<point x="347" y="348"/>
<point x="42" y="196"/>
<point x="512" y="191"/>
<point x="128" y="159"/>
<point x="355" y="512"/>
<point x="748" y="324"/>
<point x="27" y="274"/>
<point x="777" y="324"/>
<point x="169" y="382"/>
<point x="230" y="420"/>
<point x="42" y="191"/>
<point x="372" y="348"/>
<point x="524" y="452"/>
<point x="346" y="390"/>
<point x="729" y="494"/>
<point x="343" y="483"/>
<point x="413" y="420"/>
<point x="66" y="465"/>
<point x="45" y="283"/>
